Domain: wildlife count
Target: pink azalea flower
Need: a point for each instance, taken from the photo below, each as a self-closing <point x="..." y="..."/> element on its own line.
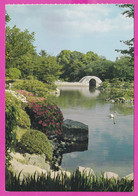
<point x="40" y="122"/>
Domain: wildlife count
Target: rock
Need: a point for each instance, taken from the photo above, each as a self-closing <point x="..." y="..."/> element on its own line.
<point x="129" y="177"/>
<point x="31" y="159"/>
<point x="37" y="160"/>
<point x="60" y="173"/>
<point x="19" y="157"/>
<point x="56" y="92"/>
<point x="122" y="99"/>
<point x="74" y="130"/>
<point x="88" y="171"/>
<point x="112" y="101"/>
<point x="25" y="170"/>
<point x="111" y="175"/>
<point x="31" y="165"/>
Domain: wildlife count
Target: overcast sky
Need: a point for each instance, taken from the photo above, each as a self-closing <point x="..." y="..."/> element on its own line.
<point x="97" y="28"/>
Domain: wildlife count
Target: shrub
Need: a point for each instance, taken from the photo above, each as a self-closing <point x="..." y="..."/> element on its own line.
<point x="45" y="117"/>
<point x="24" y="120"/>
<point x="15" y="115"/>
<point x="34" y="141"/>
<point x="51" y="99"/>
<point x="36" y="87"/>
<point x="19" y="133"/>
<point x="11" y="114"/>
<point x="11" y="123"/>
<point x="12" y="100"/>
<point x="13" y="73"/>
<point x="16" y="99"/>
<point x="105" y="84"/>
<point x="12" y="106"/>
<point x="19" y="101"/>
<point x="30" y="77"/>
<point x="27" y="94"/>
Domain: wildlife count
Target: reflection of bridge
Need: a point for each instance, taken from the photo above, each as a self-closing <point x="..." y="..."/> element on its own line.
<point x="84" y="90"/>
<point x="85" y="81"/>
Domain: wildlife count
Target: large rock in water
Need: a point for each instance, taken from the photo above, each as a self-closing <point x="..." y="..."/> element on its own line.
<point x="74" y="131"/>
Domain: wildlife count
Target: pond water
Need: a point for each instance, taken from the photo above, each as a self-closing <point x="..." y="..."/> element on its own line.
<point x="110" y="144"/>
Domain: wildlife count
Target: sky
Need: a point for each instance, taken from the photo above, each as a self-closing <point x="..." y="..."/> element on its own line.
<point x="92" y="27"/>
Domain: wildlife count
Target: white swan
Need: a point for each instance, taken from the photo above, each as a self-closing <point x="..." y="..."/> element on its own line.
<point x="112" y="115"/>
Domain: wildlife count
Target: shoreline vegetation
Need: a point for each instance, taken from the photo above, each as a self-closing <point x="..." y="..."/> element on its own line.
<point x="83" y="179"/>
<point x="118" y="91"/>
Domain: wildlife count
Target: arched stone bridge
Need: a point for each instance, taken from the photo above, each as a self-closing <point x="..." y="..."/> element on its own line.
<point x="89" y="81"/>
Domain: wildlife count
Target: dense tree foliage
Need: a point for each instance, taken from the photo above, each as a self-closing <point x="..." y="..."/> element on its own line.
<point x="23" y="62"/>
<point x="13" y="73"/>
<point x="76" y="65"/>
<point x="18" y="44"/>
<point x="7" y="18"/>
<point x="129" y="12"/>
<point x="47" y="69"/>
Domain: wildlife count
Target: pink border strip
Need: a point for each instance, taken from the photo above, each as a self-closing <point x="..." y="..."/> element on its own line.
<point x="2" y="95"/>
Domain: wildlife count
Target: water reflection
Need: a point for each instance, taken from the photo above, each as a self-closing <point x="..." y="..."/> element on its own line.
<point x="81" y="97"/>
<point x="83" y="91"/>
<point x="124" y="109"/>
<point x="68" y="147"/>
<point x="110" y="145"/>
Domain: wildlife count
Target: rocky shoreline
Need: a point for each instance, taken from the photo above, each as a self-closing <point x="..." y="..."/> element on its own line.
<point x="120" y="100"/>
<point x="75" y="137"/>
<point x="26" y="165"/>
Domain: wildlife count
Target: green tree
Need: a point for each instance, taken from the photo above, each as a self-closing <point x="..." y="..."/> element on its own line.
<point x="18" y="43"/>
<point x="76" y="64"/>
<point x="129" y="12"/>
<point x="64" y="59"/>
<point x="123" y="69"/>
<point x="104" y="69"/>
<point x="7" y="18"/>
<point x="47" y="70"/>
<point x="90" y="57"/>
<point x="43" y="53"/>
<point x="26" y="63"/>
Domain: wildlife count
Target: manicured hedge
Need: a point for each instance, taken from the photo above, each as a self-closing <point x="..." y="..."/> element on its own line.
<point x="34" y="141"/>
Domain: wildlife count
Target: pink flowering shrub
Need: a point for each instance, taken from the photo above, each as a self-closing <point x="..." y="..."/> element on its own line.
<point x="44" y="116"/>
<point x="27" y="94"/>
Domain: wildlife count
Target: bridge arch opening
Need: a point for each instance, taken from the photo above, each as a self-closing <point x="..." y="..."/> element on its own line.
<point x="92" y="83"/>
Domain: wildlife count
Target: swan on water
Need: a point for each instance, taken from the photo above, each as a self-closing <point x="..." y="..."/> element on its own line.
<point x="112" y="115"/>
